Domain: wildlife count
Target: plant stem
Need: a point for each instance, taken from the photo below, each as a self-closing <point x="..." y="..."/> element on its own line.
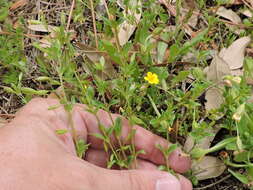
<point x="94" y="23"/>
<point x="154" y="106"/>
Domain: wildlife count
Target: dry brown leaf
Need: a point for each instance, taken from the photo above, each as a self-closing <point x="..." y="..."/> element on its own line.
<point x="234" y="54"/>
<point x="126" y="29"/>
<point x="170" y="8"/>
<point x="190" y="3"/>
<point x="233" y="17"/>
<point x="18" y="4"/>
<point x="204" y="143"/>
<point x="247" y="13"/>
<point x="208" y="167"/>
<point x="94" y="57"/>
<point x="41" y="28"/>
<point x="228" y="62"/>
<point x="229" y="14"/>
<point x="237" y="72"/>
<point x="214" y="98"/>
<point x="217" y="69"/>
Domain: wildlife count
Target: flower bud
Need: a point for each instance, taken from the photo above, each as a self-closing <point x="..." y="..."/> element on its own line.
<point x="239" y="112"/>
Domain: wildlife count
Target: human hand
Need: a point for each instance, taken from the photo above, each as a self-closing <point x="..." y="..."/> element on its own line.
<point x="34" y="156"/>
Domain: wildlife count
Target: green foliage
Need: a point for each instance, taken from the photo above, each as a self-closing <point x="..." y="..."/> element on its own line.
<point x="174" y="107"/>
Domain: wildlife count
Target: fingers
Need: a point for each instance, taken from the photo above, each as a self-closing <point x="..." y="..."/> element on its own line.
<point x="133" y="179"/>
<point x="143" y="139"/>
<point x="147" y="141"/>
<point x="85" y="123"/>
<point x="96" y="157"/>
<point x="99" y="158"/>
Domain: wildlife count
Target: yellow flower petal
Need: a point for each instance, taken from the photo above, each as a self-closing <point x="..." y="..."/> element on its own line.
<point x="152" y="78"/>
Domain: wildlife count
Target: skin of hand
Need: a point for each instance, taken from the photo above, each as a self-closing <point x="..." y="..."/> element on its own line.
<point x="34" y="156"/>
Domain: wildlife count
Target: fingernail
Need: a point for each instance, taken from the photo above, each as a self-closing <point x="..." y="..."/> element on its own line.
<point x="169" y="182"/>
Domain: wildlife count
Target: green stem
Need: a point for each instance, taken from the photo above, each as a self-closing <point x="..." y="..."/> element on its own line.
<point x="154" y="106"/>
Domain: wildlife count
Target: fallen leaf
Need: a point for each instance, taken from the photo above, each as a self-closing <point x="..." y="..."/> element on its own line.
<point x="237" y="72"/>
<point x="208" y="167"/>
<point x="41" y="28"/>
<point x="190" y="3"/>
<point x="204" y="143"/>
<point x="217" y="69"/>
<point x="234" y="54"/>
<point x="18" y="4"/>
<point x="247" y="13"/>
<point x="126" y="29"/>
<point x="229" y="14"/>
<point x="228" y="62"/>
<point x="170" y="8"/>
<point x="193" y="20"/>
<point x="100" y="10"/>
<point x="94" y="57"/>
<point x="214" y="98"/>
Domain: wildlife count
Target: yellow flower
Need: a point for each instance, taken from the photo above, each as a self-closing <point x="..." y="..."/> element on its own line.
<point x="152" y="78"/>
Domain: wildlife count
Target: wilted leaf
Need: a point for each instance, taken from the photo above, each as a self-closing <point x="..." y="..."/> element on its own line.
<point x="126" y="29"/>
<point x="208" y="167"/>
<point x="190" y="3"/>
<point x="17" y="4"/>
<point x="232" y="16"/>
<point x="214" y="99"/>
<point x="41" y="28"/>
<point x="204" y="143"/>
<point x="94" y="57"/>
<point x="193" y="20"/>
<point x="228" y="14"/>
<point x="247" y="13"/>
<point x="237" y="72"/>
<point x="100" y="10"/>
<point x="234" y="54"/>
<point x="217" y="69"/>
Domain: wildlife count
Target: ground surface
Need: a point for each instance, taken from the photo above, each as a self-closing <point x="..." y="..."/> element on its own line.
<point x="199" y="30"/>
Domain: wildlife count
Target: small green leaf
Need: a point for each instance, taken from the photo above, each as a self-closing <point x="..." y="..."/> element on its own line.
<point x="30" y="91"/>
<point x="171" y="148"/>
<point x="197" y="153"/>
<point x="54" y="107"/>
<point x="81" y="147"/>
<point x="4" y="11"/>
<point x="118" y="127"/>
<point x="61" y="131"/>
<point x="9" y="90"/>
<point x="242" y="178"/>
<point x="182" y="75"/>
<point x="99" y="136"/>
<point x="174" y="51"/>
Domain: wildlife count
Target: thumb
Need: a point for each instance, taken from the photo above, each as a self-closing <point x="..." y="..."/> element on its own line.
<point x="104" y="179"/>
